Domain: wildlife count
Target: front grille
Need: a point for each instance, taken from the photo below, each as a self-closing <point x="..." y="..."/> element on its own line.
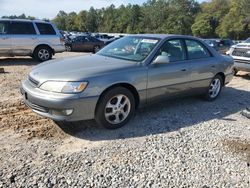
<point x="37" y="107"/>
<point x="33" y="81"/>
<point x="241" y="52"/>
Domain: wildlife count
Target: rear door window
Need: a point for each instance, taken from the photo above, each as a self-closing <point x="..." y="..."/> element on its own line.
<point x="4" y="28"/>
<point x="196" y="50"/>
<point x="45" y="29"/>
<point x="22" y="28"/>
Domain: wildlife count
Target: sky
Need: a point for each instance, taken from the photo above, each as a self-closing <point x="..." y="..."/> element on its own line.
<point x="49" y="8"/>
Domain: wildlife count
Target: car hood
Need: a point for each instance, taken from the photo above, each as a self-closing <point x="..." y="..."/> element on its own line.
<point x="79" y="68"/>
<point x="242" y="45"/>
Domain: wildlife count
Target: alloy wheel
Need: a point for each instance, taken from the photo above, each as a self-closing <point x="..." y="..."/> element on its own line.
<point x="215" y="88"/>
<point x="43" y="54"/>
<point x="117" y="109"/>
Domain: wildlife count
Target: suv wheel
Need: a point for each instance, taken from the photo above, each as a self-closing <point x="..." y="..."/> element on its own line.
<point x="116" y="108"/>
<point x="214" y="88"/>
<point x="43" y="53"/>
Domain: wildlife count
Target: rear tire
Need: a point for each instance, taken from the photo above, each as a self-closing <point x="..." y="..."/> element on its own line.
<point x="235" y="72"/>
<point x="115" y="108"/>
<point x="214" y="89"/>
<point x="68" y="48"/>
<point x="42" y="53"/>
<point x="96" y="49"/>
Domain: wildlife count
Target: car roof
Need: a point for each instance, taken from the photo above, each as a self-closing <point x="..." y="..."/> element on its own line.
<point x="163" y="36"/>
<point x="23" y="20"/>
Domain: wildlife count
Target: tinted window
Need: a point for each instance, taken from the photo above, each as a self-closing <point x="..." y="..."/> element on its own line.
<point x="81" y="39"/>
<point x="22" y="28"/>
<point x="92" y="39"/>
<point x="3" y="28"/>
<point x="196" y="50"/>
<point x="45" y="29"/>
<point x="173" y="49"/>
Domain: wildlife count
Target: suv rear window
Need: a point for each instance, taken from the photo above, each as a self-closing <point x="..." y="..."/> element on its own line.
<point x="45" y="29"/>
<point x="22" y="28"/>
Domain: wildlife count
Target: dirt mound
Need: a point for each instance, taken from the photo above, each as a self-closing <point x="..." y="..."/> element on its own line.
<point x="16" y="116"/>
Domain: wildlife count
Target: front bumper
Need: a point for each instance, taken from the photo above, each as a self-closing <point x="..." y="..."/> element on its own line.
<point x="52" y="105"/>
<point x="242" y="65"/>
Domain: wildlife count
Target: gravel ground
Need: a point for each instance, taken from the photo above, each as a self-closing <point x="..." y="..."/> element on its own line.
<point x="179" y="143"/>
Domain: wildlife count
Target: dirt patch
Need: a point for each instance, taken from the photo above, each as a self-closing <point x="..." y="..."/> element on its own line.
<point x="16" y="116"/>
<point x="240" y="147"/>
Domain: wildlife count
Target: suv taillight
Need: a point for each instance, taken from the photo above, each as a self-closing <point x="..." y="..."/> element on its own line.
<point x="62" y="40"/>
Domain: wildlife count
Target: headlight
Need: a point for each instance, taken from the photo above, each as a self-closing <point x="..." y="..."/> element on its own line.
<point x="63" y="87"/>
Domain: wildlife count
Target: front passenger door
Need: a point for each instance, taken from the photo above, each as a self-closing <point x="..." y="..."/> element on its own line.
<point x="169" y="79"/>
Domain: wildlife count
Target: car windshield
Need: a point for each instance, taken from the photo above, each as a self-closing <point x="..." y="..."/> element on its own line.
<point x="130" y="48"/>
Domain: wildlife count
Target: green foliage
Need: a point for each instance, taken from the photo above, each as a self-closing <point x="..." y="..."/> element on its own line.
<point x="22" y="16"/>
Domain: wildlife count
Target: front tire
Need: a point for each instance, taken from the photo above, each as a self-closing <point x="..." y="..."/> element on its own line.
<point x="214" y="88"/>
<point x="115" y="108"/>
<point x="42" y="53"/>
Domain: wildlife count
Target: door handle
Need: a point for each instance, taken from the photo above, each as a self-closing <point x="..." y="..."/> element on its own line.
<point x="5" y="38"/>
<point x="34" y="38"/>
<point x="213" y="66"/>
<point x="183" y="70"/>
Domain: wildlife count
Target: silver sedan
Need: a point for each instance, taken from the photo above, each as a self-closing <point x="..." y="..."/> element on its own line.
<point x="129" y="73"/>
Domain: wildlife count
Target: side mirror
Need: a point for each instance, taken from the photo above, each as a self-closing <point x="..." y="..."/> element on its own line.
<point x="161" y="59"/>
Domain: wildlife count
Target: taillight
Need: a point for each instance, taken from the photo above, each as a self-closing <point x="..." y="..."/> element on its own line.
<point x="62" y="40"/>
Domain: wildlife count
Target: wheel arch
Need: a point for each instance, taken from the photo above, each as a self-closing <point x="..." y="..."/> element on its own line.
<point x="222" y="75"/>
<point x="47" y="45"/>
<point x="128" y="86"/>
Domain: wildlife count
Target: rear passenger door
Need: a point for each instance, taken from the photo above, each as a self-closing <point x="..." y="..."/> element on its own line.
<point x="203" y="65"/>
<point x="5" y="40"/>
<point x="23" y="37"/>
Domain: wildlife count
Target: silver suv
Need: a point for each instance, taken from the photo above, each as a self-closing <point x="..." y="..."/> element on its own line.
<point x="38" y="39"/>
<point x="241" y="56"/>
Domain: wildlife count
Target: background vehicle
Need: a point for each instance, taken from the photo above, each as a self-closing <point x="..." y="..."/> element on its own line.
<point x="241" y="56"/>
<point x="133" y="71"/>
<point x="84" y="43"/>
<point x="212" y="43"/>
<point x="38" y="39"/>
<point x="224" y="45"/>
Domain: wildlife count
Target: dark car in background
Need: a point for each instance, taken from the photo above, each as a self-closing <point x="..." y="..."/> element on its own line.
<point x="220" y="45"/>
<point x="224" y="45"/>
<point x="84" y="44"/>
<point x="212" y="43"/>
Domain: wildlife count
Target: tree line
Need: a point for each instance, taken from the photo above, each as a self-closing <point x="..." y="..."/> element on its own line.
<point x="216" y="18"/>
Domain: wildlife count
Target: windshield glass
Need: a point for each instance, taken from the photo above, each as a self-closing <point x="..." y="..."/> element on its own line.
<point x="247" y="41"/>
<point x="130" y="48"/>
